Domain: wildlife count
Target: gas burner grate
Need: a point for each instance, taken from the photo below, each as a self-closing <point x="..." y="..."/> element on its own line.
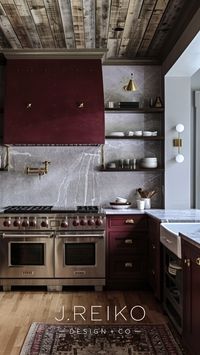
<point x="92" y="209"/>
<point x="27" y="209"/>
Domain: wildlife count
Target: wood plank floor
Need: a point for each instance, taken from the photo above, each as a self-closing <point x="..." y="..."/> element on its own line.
<point x="18" y="309"/>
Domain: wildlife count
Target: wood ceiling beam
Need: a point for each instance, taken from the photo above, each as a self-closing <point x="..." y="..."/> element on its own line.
<point x="89" y="23"/>
<point x="118" y="14"/>
<point x="3" y="40"/>
<point x="8" y="30"/>
<point x="16" y="22"/>
<point x="165" y="26"/>
<point x="141" y="24"/>
<point x="78" y="23"/>
<point x="152" y="26"/>
<point x="102" y="22"/>
<point x="66" y="15"/>
<point x="28" y="23"/>
<point x="40" y="18"/>
<point x="132" y="16"/>
<point x="55" y="22"/>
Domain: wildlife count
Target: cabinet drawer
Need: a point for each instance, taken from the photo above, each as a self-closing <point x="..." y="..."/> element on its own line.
<point x="125" y="242"/>
<point x="127" y="222"/>
<point x="128" y="267"/>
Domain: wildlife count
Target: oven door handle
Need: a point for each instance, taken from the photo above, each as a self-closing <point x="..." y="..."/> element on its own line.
<point x="31" y="235"/>
<point x="97" y="236"/>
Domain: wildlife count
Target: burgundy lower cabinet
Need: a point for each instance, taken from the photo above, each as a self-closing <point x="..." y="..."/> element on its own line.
<point x="191" y="297"/>
<point x="126" y="251"/>
<point x="154" y="256"/>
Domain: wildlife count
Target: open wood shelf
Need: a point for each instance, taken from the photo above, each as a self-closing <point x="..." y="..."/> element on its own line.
<point x="134" y="110"/>
<point x="150" y="138"/>
<point x="131" y="170"/>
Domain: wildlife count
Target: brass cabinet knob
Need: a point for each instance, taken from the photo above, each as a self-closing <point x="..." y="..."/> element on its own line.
<point x="187" y="262"/>
<point x="128" y="265"/>
<point x="198" y="261"/>
<point x="80" y="104"/>
<point x="29" y="105"/>
<point x="153" y="246"/>
<point x="129" y="221"/>
<point x="128" y="241"/>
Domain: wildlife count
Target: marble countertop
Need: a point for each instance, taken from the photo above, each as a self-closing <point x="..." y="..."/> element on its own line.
<point x="112" y="211"/>
<point x="190" y="215"/>
<point x="193" y="238"/>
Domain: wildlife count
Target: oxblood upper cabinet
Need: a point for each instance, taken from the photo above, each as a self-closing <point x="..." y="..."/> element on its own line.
<point x="54" y="102"/>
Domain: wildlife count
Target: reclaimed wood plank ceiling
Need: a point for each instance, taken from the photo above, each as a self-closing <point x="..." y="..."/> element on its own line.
<point x="129" y="29"/>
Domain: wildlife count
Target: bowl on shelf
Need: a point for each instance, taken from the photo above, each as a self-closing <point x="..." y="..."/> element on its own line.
<point x="116" y="134"/>
<point x="119" y="206"/>
<point x="111" y="165"/>
<point x="147" y="133"/>
<point x="121" y="200"/>
<point x="138" y="133"/>
<point x="149" y="163"/>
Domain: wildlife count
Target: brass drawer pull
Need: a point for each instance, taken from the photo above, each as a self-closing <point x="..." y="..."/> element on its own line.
<point x="198" y="261"/>
<point x="129" y="221"/>
<point x="128" y="265"/>
<point x="153" y="246"/>
<point x="128" y="241"/>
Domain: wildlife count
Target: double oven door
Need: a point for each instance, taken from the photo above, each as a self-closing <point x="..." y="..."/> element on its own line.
<point x="26" y="255"/>
<point x="80" y="255"/>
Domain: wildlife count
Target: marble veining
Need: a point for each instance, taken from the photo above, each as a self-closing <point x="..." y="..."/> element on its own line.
<point x="190" y="215"/>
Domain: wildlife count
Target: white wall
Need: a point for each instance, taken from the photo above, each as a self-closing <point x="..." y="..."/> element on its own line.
<point x="178" y="110"/>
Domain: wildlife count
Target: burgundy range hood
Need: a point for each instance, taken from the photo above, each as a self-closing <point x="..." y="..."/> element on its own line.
<point x="54" y="101"/>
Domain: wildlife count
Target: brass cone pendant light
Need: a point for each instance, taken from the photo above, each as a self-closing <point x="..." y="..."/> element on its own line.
<point x="131" y="85"/>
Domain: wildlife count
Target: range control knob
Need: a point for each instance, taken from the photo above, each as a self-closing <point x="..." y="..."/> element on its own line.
<point x="64" y="223"/>
<point x="99" y="221"/>
<point x="76" y="222"/>
<point x="16" y="222"/>
<point x="25" y="222"/>
<point x="7" y="222"/>
<point x="33" y="222"/>
<point x="83" y="222"/>
<point x="91" y="222"/>
<point x="45" y="223"/>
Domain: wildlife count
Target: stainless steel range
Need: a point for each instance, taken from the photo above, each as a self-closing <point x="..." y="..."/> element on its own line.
<point x="45" y="245"/>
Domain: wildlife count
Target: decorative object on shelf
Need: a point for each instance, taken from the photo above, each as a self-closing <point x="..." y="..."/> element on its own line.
<point x="110" y="104"/>
<point x="151" y="102"/>
<point x="5" y="159"/>
<point x="131" y="86"/>
<point x="158" y="102"/>
<point x="129" y="104"/>
<point x="178" y="143"/>
<point x="38" y="171"/>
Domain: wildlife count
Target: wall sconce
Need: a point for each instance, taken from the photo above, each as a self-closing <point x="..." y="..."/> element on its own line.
<point x="131" y="85"/>
<point x="178" y="143"/>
